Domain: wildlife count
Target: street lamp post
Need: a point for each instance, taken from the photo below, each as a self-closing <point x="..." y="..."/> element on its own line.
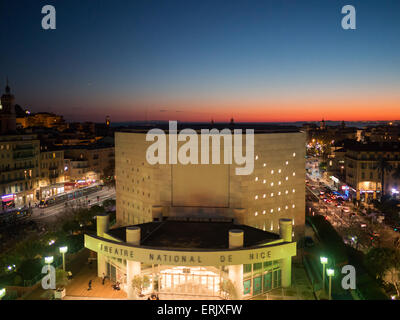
<point x="63" y="251"/>
<point x="330" y="273"/>
<point x="324" y="261"/>
<point x="49" y="260"/>
<point x="2" y="293"/>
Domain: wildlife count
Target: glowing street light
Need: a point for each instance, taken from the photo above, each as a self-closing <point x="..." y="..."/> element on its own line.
<point x="63" y="251"/>
<point x="330" y="273"/>
<point x="2" y="293"/>
<point x="49" y="260"/>
<point x="324" y="261"/>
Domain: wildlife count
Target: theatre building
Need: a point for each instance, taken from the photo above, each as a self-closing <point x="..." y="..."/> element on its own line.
<point x="199" y="230"/>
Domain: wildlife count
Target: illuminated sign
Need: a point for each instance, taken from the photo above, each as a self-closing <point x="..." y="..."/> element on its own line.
<point x="8" y="197"/>
<point x="274" y="251"/>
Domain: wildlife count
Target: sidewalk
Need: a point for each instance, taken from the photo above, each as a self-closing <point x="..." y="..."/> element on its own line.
<point x="301" y="288"/>
<point x="74" y="266"/>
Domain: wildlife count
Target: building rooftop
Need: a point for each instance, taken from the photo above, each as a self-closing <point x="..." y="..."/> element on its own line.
<point x="374" y="147"/>
<point x="194" y="234"/>
<point x="258" y="127"/>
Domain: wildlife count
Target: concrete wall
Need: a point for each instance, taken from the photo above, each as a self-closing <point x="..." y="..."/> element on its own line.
<point x="278" y="183"/>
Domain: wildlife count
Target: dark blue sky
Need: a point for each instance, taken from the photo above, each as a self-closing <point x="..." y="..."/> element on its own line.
<point x="255" y="60"/>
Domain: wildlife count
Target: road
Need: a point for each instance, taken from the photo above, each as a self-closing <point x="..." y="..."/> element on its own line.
<point x="354" y="227"/>
<point x="46" y="215"/>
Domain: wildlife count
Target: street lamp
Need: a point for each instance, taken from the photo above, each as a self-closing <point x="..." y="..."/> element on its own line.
<point x="324" y="261"/>
<point x="49" y="260"/>
<point x="330" y="273"/>
<point x="2" y="293"/>
<point x="63" y="251"/>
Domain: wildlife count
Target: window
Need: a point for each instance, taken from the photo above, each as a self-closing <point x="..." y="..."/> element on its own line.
<point x="246" y="268"/>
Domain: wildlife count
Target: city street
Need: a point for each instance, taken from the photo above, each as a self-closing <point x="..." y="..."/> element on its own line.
<point x="46" y="215"/>
<point x="357" y="229"/>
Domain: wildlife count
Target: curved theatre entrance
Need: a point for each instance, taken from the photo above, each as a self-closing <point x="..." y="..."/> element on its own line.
<point x="200" y="281"/>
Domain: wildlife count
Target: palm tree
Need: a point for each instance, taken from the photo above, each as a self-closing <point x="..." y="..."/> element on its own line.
<point x="383" y="167"/>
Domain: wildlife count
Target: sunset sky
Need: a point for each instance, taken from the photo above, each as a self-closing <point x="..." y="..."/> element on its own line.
<point x="270" y="60"/>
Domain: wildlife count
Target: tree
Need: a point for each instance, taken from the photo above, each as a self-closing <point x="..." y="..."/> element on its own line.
<point x="109" y="204"/>
<point x="139" y="283"/>
<point x="61" y="278"/>
<point x="228" y="289"/>
<point x="383" y="167"/>
<point x="384" y="264"/>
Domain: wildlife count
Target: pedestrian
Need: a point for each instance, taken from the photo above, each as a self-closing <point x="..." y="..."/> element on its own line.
<point x="104" y="278"/>
<point x="90" y="285"/>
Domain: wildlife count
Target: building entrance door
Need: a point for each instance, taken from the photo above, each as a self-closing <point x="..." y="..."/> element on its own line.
<point x="111" y="272"/>
<point x="189" y="281"/>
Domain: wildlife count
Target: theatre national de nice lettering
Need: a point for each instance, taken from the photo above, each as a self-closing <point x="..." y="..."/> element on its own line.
<point x="190" y="228"/>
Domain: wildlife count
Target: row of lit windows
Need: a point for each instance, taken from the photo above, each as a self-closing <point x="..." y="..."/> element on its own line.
<point x="272" y="172"/>
<point x="287" y="162"/>
<point x="264" y="226"/>
<point x="272" y="184"/>
<point x="272" y="194"/>
<point x="272" y="210"/>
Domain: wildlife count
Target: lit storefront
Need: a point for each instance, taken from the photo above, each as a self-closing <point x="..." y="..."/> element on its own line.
<point x="179" y="258"/>
<point x="7" y="201"/>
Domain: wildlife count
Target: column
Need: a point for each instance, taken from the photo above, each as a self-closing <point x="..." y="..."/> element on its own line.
<point x="285" y="232"/>
<point x="239" y="215"/>
<point x="236" y="271"/>
<point x="132" y="267"/>
<point x="157" y="213"/>
<point x="102" y="228"/>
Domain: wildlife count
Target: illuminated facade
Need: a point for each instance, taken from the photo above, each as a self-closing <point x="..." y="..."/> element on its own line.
<point x="365" y="165"/>
<point x="51" y="173"/>
<point x="19" y="169"/>
<point x="193" y="229"/>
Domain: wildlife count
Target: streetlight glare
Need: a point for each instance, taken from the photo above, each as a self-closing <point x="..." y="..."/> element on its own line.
<point x="49" y="259"/>
<point x="63" y="249"/>
<point x="330" y="272"/>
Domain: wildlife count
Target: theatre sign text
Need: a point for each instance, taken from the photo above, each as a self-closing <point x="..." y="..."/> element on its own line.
<point x="118" y="250"/>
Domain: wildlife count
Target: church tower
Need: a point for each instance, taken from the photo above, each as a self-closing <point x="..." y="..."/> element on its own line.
<point x="322" y="125"/>
<point x="7" y="112"/>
